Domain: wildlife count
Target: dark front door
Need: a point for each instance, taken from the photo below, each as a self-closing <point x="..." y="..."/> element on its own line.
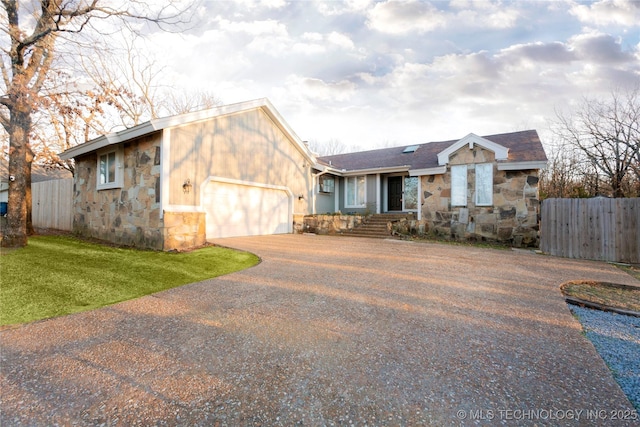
<point x="395" y="193"/>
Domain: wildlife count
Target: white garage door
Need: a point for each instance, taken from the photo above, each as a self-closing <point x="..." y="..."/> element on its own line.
<point x="245" y="210"/>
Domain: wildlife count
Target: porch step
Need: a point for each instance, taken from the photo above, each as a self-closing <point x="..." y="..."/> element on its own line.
<point x="376" y="226"/>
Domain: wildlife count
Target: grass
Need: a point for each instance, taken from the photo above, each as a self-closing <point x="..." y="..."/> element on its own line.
<point x="58" y="275"/>
<point x="633" y="270"/>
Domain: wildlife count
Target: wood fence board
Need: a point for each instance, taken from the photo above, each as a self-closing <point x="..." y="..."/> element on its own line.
<point x="52" y="204"/>
<point x="599" y="228"/>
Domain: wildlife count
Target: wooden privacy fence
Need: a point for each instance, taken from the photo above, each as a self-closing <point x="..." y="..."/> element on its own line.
<point x="600" y="229"/>
<point x="51" y="204"/>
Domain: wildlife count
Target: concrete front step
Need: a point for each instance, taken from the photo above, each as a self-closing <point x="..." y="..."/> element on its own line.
<point x="376" y="226"/>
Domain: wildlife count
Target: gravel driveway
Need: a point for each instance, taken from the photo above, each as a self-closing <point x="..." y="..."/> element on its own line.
<point x="326" y="331"/>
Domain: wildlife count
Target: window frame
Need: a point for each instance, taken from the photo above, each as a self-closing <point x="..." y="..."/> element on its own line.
<point x="456" y="199"/>
<point x="118" y="168"/>
<point x="488" y="182"/>
<point x="406" y="194"/>
<point x="326" y="184"/>
<point x="355" y="179"/>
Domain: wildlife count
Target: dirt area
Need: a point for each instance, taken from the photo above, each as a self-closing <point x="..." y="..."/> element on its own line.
<point x="607" y="295"/>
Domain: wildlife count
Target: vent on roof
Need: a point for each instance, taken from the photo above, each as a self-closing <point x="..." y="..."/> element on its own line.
<point x="410" y="149"/>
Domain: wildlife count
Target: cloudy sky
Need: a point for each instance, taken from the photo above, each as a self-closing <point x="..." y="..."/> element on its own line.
<point x="380" y="73"/>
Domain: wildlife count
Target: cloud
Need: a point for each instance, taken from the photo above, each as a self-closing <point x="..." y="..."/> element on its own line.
<point x="608" y="12"/>
<point x="395" y="17"/>
<point x="320" y="90"/>
<point x="484" y="14"/>
<point x="554" y="52"/>
<point x="334" y="8"/>
<point x="253" y="28"/>
<point x="367" y="72"/>
<point x="403" y="17"/>
<point x="600" y="48"/>
<point x="340" y="40"/>
<point x="317" y="43"/>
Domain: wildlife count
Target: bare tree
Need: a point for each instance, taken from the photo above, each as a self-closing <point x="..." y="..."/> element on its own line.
<point x="71" y="116"/>
<point x="119" y="88"/>
<point x="186" y="102"/>
<point x="27" y="61"/>
<point x="328" y="148"/>
<point x="126" y="80"/>
<point x="567" y="175"/>
<point x="605" y="134"/>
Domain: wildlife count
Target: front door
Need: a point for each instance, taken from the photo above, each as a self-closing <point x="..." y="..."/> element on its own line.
<point x="395" y="193"/>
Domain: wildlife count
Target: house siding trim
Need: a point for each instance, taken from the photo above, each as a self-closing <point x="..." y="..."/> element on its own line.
<point x="428" y="171"/>
<point x="516" y="166"/>
<point x="165" y="169"/>
<point x="378" y="194"/>
<point x="501" y="152"/>
<point x="371" y="171"/>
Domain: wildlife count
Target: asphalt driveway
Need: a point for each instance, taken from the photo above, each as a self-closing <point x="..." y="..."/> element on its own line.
<point x="326" y="331"/>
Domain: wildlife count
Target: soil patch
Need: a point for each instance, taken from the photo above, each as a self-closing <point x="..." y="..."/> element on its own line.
<point x="603" y="295"/>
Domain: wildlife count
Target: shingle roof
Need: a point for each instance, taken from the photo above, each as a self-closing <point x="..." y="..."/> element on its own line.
<point x="524" y="146"/>
<point x="159" y="124"/>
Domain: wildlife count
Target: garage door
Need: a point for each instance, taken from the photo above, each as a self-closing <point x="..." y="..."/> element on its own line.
<point x="245" y="210"/>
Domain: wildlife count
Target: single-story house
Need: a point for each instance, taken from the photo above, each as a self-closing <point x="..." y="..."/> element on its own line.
<point x="240" y="169"/>
<point x="175" y="182"/>
<point x="474" y="187"/>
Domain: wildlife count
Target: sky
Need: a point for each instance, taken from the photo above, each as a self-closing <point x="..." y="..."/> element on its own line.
<point x="372" y="74"/>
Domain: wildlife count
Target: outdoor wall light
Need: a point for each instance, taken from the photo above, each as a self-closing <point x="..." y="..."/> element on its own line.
<point x="301" y="197"/>
<point x="186" y="187"/>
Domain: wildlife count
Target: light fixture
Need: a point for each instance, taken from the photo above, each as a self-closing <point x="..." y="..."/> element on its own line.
<point x="186" y="187"/>
<point x="301" y="197"/>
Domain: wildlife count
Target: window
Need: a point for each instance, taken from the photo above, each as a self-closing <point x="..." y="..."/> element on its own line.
<point x="109" y="169"/>
<point x="355" y="191"/>
<point x="326" y="184"/>
<point x="484" y="184"/>
<point x="410" y="193"/>
<point x="459" y="185"/>
<point x="411" y="149"/>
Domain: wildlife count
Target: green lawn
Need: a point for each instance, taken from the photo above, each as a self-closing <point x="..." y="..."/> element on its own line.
<point x="57" y="275"/>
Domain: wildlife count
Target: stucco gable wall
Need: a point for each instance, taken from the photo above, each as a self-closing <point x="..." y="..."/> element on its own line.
<point x="129" y="215"/>
<point x="512" y="219"/>
<point x="247" y="146"/>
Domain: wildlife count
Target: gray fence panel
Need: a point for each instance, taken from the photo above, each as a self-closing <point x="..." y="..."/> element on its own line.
<point x="599" y="228"/>
<point x="52" y="203"/>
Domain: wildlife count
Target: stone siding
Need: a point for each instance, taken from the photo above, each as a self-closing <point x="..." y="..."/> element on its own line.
<point x="513" y="218"/>
<point x="184" y="230"/>
<point x="331" y="224"/>
<point x="129" y="215"/>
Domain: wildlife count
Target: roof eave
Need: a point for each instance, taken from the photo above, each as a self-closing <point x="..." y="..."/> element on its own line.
<point x="528" y="165"/>
<point x="370" y="171"/>
<point x="155" y="125"/>
<point x="428" y="171"/>
<point x="93" y="145"/>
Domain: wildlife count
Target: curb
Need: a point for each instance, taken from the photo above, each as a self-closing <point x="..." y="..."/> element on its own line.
<point x="594" y="305"/>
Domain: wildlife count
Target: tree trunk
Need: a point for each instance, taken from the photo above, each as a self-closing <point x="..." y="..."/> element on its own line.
<point x="30" y="230"/>
<point x="20" y="158"/>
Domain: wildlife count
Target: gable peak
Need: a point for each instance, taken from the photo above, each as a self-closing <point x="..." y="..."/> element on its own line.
<point x="471" y="140"/>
